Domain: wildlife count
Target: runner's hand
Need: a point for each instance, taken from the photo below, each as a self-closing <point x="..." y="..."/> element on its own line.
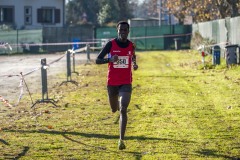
<point x="135" y="66"/>
<point x="114" y="58"/>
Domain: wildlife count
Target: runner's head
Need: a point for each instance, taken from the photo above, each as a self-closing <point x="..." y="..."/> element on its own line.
<point x="123" y="30"/>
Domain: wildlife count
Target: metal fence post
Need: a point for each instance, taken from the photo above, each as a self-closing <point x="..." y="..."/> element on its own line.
<point x="44" y="78"/>
<point x="69" y="66"/>
<point x="69" y="78"/>
<point x="44" y="85"/>
<point x="73" y="55"/>
<point x="74" y="64"/>
<point x="88" y="52"/>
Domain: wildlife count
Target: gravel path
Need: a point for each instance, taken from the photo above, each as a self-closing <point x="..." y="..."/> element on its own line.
<point x="15" y="64"/>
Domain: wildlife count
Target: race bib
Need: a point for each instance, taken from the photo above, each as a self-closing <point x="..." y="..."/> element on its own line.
<point x="123" y="62"/>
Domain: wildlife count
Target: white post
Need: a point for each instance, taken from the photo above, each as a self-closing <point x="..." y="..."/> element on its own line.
<point x="160" y="12"/>
<point x="203" y="55"/>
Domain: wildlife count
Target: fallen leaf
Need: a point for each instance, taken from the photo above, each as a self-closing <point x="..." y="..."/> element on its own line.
<point x="50" y="127"/>
<point x="46" y="111"/>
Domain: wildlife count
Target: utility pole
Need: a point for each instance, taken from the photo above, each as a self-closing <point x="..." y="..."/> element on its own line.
<point x="160" y="12"/>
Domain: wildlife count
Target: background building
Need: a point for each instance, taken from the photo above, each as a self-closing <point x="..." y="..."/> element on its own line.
<point x="32" y="14"/>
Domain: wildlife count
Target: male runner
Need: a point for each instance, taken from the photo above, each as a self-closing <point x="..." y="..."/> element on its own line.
<point x="121" y="58"/>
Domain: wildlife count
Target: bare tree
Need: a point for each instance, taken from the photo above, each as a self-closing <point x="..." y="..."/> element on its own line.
<point x="204" y="10"/>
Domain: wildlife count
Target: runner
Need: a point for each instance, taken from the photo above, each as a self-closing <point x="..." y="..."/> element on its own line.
<point x="121" y="58"/>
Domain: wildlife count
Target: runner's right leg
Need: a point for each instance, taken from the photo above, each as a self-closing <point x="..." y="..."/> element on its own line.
<point x="113" y="98"/>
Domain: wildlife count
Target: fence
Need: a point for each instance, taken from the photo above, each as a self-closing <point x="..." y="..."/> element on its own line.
<point x="57" y="39"/>
<point x="146" y="38"/>
<point x="152" y="38"/>
<point x="19" y="40"/>
<point x="220" y="31"/>
<point x="10" y="91"/>
<point x="65" y="35"/>
<point x="48" y="39"/>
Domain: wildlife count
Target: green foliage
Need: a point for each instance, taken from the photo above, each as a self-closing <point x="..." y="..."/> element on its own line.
<point x="82" y="12"/>
<point x="97" y="12"/>
<point x="177" y="112"/>
<point x="104" y="15"/>
<point x="113" y="11"/>
<point x="125" y="7"/>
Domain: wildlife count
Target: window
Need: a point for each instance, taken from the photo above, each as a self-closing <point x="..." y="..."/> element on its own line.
<point x="6" y="14"/>
<point x="28" y="15"/>
<point x="48" y="15"/>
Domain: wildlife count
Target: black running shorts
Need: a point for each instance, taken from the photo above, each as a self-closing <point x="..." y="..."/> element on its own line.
<point x="121" y="88"/>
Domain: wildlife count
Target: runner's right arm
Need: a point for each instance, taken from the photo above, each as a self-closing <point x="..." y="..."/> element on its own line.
<point x="101" y="56"/>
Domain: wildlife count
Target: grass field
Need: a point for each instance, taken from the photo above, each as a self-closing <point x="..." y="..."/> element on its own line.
<point x="178" y="111"/>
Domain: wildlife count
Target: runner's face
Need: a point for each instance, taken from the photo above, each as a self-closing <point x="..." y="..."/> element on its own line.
<point x="123" y="32"/>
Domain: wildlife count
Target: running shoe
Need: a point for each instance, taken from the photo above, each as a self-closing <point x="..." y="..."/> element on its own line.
<point x="121" y="145"/>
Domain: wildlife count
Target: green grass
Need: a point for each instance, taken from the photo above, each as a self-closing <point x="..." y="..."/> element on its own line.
<point x="178" y="111"/>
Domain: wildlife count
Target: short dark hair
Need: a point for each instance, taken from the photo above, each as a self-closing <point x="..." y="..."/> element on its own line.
<point x="123" y="22"/>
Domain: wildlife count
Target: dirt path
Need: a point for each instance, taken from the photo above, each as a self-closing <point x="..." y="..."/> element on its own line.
<point x="15" y="64"/>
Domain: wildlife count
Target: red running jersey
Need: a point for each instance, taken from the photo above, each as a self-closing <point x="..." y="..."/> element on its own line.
<point x="120" y="72"/>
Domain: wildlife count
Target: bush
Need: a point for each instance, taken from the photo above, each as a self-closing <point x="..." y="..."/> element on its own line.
<point x="198" y="40"/>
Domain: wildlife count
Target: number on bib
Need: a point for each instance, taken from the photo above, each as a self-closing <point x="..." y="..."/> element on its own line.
<point x="123" y="62"/>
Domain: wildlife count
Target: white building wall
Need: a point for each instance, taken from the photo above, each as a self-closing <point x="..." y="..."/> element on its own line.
<point x="35" y="4"/>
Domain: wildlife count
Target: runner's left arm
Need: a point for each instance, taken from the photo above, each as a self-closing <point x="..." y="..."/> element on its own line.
<point x="134" y="58"/>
